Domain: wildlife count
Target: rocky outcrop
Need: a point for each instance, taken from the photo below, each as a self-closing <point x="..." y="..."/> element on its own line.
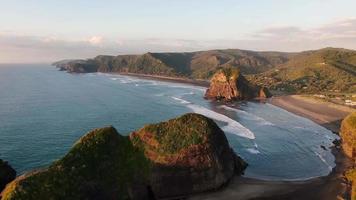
<point x="179" y="157"/>
<point x="101" y="165"/>
<point x="190" y="154"/>
<point x="7" y="174"/>
<point x="348" y="135"/>
<point x="229" y="84"/>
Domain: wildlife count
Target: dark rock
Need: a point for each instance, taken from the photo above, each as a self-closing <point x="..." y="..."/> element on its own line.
<point x="7" y="174"/>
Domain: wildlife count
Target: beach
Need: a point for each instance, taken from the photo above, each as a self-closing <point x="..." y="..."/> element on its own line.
<point x="331" y="187"/>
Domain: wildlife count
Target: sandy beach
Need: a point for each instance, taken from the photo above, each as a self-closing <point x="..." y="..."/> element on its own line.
<point x="326" y="114"/>
<point x="331" y="187"/>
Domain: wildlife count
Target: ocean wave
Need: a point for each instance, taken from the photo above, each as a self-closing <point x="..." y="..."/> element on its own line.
<point x="232" y="126"/>
<point x="181" y="100"/>
<point x="249" y="116"/>
<point x="253" y="151"/>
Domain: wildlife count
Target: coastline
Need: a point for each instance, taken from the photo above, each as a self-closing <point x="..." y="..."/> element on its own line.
<point x="330" y="187"/>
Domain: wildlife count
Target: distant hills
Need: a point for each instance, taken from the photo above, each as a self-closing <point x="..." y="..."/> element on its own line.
<point x="327" y="70"/>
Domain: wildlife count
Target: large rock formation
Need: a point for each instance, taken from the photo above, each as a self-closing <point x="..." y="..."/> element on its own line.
<point x="101" y="165"/>
<point x="229" y="84"/>
<point x="190" y="154"/>
<point x="175" y="158"/>
<point x="348" y="135"/>
<point x="7" y="174"/>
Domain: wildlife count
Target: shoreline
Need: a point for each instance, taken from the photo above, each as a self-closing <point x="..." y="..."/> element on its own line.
<point x="330" y="187"/>
<point x="201" y="83"/>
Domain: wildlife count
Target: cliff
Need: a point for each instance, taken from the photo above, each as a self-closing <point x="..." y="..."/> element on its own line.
<point x="348" y="137"/>
<point x="228" y="84"/>
<point x="323" y="70"/>
<point x="7" y="174"/>
<point x="179" y="157"/>
<point x="190" y="154"/>
<point x="101" y="165"/>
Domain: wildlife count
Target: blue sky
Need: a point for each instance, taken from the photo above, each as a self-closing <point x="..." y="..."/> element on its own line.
<point x="44" y="31"/>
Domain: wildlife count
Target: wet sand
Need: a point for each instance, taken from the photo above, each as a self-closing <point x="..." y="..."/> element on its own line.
<point x="326" y="114"/>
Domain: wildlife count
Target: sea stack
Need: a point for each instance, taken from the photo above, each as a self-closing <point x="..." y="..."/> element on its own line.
<point x="182" y="156"/>
<point x="228" y="84"/>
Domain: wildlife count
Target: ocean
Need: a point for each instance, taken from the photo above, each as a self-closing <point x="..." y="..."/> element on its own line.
<point x="43" y="111"/>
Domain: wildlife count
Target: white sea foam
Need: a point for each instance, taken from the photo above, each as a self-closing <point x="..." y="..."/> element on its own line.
<point x="114" y="79"/>
<point x="247" y="115"/>
<point x="323" y="160"/>
<point x="232" y="126"/>
<point x="253" y="150"/>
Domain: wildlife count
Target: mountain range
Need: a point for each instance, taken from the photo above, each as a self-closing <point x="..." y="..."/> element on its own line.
<point x="323" y="70"/>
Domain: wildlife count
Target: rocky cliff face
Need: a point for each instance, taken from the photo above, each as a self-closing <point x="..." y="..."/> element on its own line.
<point x="228" y="84"/>
<point x="7" y="174"/>
<point x="175" y="158"/>
<point x="348" y="135"/>
<point x="190" y="154"/>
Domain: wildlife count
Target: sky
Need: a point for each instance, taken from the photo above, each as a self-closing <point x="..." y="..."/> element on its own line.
<point x="34" y="31"/>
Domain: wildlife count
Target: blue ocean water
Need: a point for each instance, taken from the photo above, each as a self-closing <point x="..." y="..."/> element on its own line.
<point x="44" y="111"/>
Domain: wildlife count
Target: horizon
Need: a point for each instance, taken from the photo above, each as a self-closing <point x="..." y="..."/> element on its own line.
<point x="51" y="62"/>
<point x="44" y="32"/>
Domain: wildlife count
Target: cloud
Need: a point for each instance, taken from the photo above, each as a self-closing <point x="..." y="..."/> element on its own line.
<point x="95" y="40"/>
<point x="340" y="33"/>
<point x="26" y="48"/>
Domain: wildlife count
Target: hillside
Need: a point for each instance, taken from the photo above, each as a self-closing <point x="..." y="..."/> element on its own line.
<point x="325" y="70"/>
<point x="196" y="65"/>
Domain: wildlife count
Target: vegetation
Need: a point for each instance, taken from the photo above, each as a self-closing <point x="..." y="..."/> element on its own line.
<point x="101" y="165"/>
<point x="189" y="129"/>
<point x="328" y="70"/>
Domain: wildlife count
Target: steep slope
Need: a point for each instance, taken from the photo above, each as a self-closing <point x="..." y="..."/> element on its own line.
<point x="190" y="154"/>
<point x="197" y="65"/>
<point x="326" y="70"/>
<point x="179" y="157"/>
<point x="101" y="165"/>
<point x="229" y="84"/>
<point x="348" y="138"/>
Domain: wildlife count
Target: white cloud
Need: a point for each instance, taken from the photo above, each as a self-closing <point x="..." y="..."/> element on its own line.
<point x="25" y="48"/>
<point x="95" y="40"/>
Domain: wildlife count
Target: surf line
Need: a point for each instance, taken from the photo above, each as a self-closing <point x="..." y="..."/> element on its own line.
<point x="232" y="126"/>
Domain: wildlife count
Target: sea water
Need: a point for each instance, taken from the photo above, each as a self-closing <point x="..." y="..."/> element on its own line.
<point x="43" y="111"/>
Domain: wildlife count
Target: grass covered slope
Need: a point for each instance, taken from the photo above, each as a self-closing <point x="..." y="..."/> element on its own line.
<point x="348" y="135"/>
<point x="324" y="70"/>
<point x="179" y="157"/>
<point x="190" y="154"/>
<point x="101" y="165"/>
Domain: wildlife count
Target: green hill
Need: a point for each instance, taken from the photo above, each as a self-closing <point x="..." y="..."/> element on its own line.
<point x="327" y="70"/>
